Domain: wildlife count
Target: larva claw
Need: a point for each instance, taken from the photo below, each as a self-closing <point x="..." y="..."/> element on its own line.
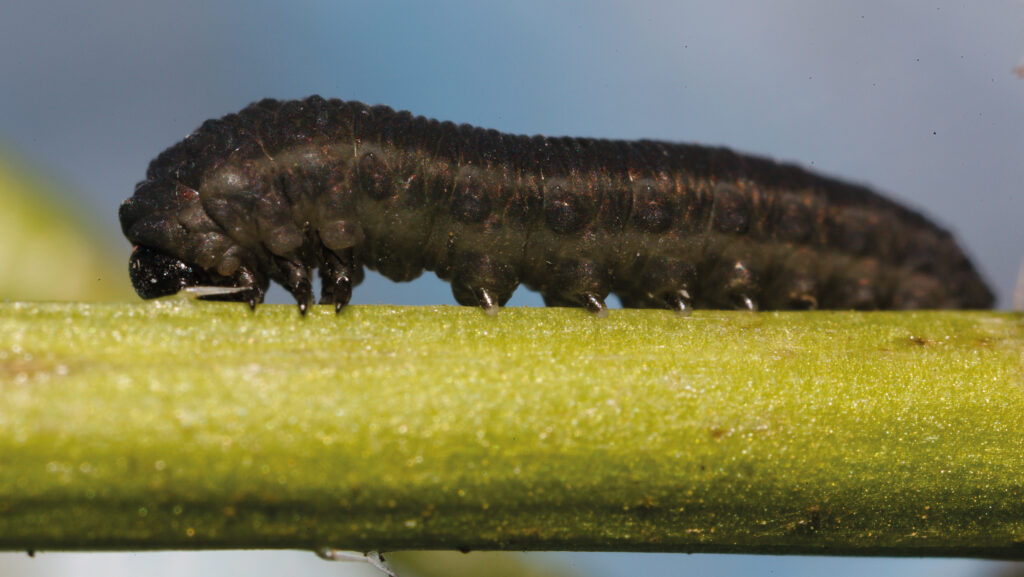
<point x="480" y="280"/>
<point x="254" y="289"/>
<point x="342" y="292"/>
<point x="336" y="277"/>
<point x="746" y="303"/>
<point x="594" y="304"/>
<point x="487" y="300"/>
<point x="680" y="302"/>
<point x="297" y="281"/>
<point x="303" y="293"/>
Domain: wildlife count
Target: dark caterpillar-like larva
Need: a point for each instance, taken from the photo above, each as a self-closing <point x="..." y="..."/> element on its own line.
<point x="282" y="188"/>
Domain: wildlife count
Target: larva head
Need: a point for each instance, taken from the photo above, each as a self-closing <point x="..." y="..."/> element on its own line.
<point x="157" y="274"/>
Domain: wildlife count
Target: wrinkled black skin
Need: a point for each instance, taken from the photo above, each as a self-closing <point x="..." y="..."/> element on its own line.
<point x="284" y="187"/>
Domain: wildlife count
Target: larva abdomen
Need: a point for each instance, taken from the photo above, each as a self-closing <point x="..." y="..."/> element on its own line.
<point x="282" y="188"/>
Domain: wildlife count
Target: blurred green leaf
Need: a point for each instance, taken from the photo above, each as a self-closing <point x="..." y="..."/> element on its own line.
<point x="48" y="250"/>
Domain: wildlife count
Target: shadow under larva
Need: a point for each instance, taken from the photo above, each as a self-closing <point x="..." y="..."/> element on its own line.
<point x="285" y="187"/>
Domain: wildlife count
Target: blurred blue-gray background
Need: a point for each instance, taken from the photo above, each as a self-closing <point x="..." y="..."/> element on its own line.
<point x="917" y="98"/>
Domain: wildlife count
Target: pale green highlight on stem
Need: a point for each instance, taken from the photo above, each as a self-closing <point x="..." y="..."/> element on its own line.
<point x="201" y="425"/>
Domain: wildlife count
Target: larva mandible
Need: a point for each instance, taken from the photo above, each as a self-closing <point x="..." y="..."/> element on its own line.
<point x="284" y="187"/>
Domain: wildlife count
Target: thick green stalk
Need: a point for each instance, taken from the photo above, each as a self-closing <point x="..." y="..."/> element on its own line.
<point x="201" y="425"/>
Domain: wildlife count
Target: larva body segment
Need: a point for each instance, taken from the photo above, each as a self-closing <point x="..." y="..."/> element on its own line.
<point x="282" y="188"/>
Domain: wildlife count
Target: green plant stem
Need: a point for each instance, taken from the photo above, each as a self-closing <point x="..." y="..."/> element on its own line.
<point x="193" y="425"/>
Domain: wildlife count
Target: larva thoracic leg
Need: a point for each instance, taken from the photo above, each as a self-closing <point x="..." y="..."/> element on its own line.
<point x="283" y="188"/>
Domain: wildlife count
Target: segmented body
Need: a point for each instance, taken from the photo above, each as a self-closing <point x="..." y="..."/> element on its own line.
<point x="282" y="188"/>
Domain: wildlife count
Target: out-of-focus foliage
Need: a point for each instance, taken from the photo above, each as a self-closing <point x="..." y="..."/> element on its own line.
<point x="48" y="249"/>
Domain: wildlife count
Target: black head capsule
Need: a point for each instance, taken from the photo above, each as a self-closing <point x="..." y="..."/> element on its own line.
<point x="156" y="274"/>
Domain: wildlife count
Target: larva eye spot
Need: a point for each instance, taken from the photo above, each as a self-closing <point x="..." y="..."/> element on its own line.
<point x="157" y="274"/>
